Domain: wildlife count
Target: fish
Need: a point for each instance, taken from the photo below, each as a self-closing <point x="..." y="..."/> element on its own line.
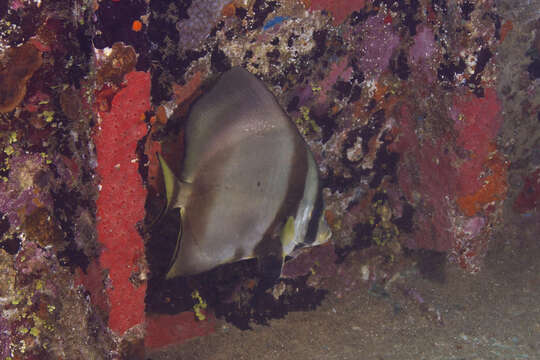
<point x="249" y="185"/>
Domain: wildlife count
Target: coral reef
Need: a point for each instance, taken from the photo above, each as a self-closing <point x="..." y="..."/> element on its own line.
<point x="400" y="101"/>
<point x="47" y="184"/>
<point x="400" y="111"/>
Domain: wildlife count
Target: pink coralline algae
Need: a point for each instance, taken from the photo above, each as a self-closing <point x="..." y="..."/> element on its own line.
<point x="340" y="9"/>
<point x="453" y="209"/>
<point x="482" y="174"/>
<point x="377" y="46"/>
<point x="425" y="166"/>
<point x="477" y="125"/>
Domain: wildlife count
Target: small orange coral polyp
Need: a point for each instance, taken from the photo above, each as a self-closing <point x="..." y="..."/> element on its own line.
<point x="136" y="26"/>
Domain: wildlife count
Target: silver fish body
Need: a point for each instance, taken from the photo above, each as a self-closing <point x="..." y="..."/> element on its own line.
<point x="249" y="186"/>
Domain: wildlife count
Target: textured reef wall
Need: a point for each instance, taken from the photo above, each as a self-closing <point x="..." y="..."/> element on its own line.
<point x="401" y="103"/>
<point x="48" y="183"/>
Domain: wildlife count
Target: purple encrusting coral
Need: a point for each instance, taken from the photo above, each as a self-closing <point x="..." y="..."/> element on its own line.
<point x="424" y="46"/>
<point x="29" y="183"/>
<point x="5" y="338"/>
<point x="203" y="16"/>
<point x="33" y="259"/>
<point x="377" y="46"/>
<point x="19" y="192"/>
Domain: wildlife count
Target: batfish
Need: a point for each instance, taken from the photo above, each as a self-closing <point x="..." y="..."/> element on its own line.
<point x="249" y="185"/>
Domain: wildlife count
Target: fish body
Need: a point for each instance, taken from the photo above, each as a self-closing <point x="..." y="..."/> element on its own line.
<point x="249" y="185"/>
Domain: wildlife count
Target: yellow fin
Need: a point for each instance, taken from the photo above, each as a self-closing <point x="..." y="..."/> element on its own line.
<point x="176" y="190"/>
<point x="169" y="179"/>
<point x="287" y="234"/>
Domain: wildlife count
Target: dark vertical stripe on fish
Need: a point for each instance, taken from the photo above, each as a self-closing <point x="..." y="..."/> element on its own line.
<point x="313" y="226"/>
